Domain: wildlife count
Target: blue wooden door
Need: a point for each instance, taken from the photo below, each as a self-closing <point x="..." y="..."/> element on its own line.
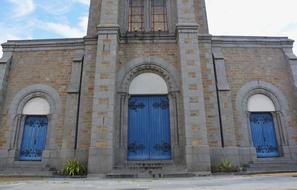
<point x="263" y="134"/>
<point x="149" y="128"/>
<point x="34" y="138"/>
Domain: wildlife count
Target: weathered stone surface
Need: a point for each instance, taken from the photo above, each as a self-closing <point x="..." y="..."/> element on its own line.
<point x="86" y="82"/>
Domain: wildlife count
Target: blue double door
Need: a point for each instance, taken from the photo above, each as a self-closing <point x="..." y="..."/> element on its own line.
<point x="149" y="128"/>
<point x="263" y="134"/>
<point x="34" y="138"/>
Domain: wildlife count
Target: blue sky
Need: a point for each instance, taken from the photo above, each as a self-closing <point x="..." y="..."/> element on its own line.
<point x="38" y="19"/>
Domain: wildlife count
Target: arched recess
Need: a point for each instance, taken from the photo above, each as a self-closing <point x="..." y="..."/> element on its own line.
<point x="276" y="104"/>
<point x="130" y="71"/>
<point x="148" y="83"/>
<point x="21" y="106"/>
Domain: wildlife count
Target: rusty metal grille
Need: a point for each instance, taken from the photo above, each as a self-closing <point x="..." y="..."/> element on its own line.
<point x="136" y="16"/>
<point x="159" y="15"/>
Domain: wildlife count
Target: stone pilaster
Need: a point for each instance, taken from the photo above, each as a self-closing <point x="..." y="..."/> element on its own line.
<point x="229" y="151"/>
<point x="292" y="60"/>
<point x="101" y="150"/>
<point x="5" y="63"/>
<point x="72" y="101"/>
<point x="197" y="149"/>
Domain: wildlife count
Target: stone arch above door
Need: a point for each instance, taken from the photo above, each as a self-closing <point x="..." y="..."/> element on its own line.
<point x="127" y="73"/>
<point x="281" y="109"/>
<point x="20" y="101"/>
<point x="147" y="65"/>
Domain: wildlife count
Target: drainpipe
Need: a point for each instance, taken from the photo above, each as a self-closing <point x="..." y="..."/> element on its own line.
<point x="219" y="103"/>
<point x="78" y="104"/>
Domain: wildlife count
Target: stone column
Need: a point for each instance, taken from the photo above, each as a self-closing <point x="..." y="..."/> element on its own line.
<point x="101" y="150"/>
<point x="197" y="149"/>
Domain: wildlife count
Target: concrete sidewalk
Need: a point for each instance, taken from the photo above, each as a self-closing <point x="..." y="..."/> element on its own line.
<point x="225" y="182"/>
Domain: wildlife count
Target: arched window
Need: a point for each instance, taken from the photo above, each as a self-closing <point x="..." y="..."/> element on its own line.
<point x="260" y="103"/>
<point x="147" y="15"/>
<point x="261" y="110"/>
<point x="147" y="84"/>
<point x="35" y="127"/>
<point x="36" y="106"/>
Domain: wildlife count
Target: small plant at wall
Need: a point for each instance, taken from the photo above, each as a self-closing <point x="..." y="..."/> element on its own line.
<point x="225" y="166"/>
<point x="74" y="168"/>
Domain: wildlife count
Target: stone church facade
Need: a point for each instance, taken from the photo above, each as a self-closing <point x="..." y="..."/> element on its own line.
<point x="148" y="88"/>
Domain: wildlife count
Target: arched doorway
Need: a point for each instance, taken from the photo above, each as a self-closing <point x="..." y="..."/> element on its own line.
<point x="263" y="132"/>
<point x="35" y="128"/>
<point x="148" y="119"/>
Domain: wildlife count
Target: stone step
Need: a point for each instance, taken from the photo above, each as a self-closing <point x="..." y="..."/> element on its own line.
<point x="148" y="169"/>
<point x="266" y="165"/>
<point x="146" y="165"/>
<point x="265" y="161"/>
<point x="28" y="173"/>
<point x="268" y="170"/>
<point x="271" y="166"/>
<point x="149" y="174"/>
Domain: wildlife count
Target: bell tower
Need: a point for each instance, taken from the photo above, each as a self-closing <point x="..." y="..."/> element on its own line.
<point x="198" y="6"/>
<point x="127" y="33"/>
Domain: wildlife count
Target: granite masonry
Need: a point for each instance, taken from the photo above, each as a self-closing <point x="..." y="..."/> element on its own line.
<point x="212" y="84"/>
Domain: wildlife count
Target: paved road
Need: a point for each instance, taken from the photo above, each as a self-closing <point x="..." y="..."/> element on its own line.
<point x="203" y="183"/>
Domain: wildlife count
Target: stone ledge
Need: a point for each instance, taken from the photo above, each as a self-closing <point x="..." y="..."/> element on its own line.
<point x="44" y="44"/>
<point x="251" y="41"/>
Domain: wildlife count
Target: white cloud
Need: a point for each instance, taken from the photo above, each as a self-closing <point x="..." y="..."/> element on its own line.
<point x="56" y="7"/>
<point x="22" y="7"/>
<point x="64" y="30"/>
<point x="83" y="23"/>
<point x="13" y="33"/>
<point x="85" y="2"/>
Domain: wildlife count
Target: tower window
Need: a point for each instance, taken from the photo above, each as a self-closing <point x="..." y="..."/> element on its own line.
<point x="147" y="15"/>
<point x="136" y="15"/>
<point x="159" y="15"/>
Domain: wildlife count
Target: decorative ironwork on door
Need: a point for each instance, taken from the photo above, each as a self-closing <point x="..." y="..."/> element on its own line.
<point x="34" y="138"/>
<point x="263" y="134"/>
<point x="149" y="128"/>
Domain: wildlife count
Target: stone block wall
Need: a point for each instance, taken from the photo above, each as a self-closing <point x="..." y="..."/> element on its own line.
<point x="165" y="50"/>
<point x="52" y="68"/>
<point x="244" y="65"/>
<point x="259" y="65"/>
<point x="38" y="69"/>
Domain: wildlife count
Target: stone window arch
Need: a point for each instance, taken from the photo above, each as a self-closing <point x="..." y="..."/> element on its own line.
<point x="260" y="96"/>
<point x="34" y="100"/>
